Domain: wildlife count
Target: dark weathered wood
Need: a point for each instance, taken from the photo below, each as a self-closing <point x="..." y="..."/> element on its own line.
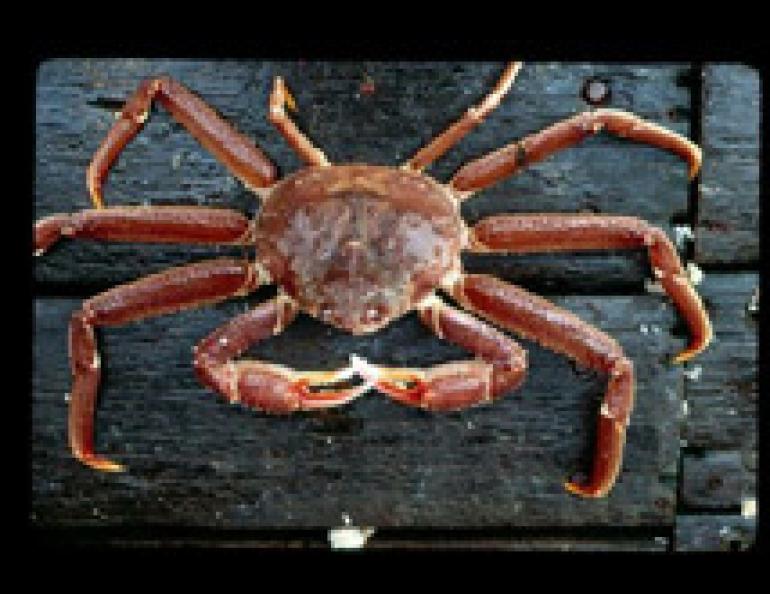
<point x="722" y="385"/>
<point x="76" y="100"/>
<point x="714" y="533"/>
<point x="715" y="480"/>
<point x="380" y="540"/>
<point x="194" y="460"/>
<point x="728" y="210"/>
<point x="719" y="467"/>
<point x="652" y="544"/>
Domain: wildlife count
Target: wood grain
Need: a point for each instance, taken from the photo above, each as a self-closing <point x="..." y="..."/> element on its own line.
<point x="728" y="210"/>
<point x="197" y="463"/>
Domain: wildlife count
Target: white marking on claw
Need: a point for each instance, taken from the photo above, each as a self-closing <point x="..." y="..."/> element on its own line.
<point x="368" y="372"/>
<point x="605" y="411"/>
<point x="96" y="362"/>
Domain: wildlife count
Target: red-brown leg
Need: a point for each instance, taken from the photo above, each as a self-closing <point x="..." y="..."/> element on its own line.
<point x="508" y="160"/>
<point x="536" y="318"/>
<point x="166" y="292"/>
<point x="288" y="129"/>
<point x="236" y="151"/>
<point x="472" y="118"/>
<point x="558" y="232"/>
<point x="151" y="224"/>
<point x="266" y="386"/>
<point x="500" y="367"/>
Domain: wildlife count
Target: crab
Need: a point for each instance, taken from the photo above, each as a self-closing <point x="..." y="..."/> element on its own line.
<point x="357" y="246"/>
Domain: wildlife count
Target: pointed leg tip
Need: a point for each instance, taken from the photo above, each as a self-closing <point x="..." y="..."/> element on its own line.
<point x="103" y="464"/>
<point x="583" y="491"/>
<point x="689" y="353"/>
<point x="695" y="163"/>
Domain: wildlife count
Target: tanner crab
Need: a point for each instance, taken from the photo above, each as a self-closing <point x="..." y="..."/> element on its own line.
<point x="357" y="246"/>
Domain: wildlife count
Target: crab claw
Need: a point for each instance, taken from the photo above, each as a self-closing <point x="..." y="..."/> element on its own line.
<point x="277" y="389"/>
<point x="447" y="387"/>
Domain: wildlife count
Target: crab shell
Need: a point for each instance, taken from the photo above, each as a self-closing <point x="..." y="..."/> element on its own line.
<point x="359" y="245"/>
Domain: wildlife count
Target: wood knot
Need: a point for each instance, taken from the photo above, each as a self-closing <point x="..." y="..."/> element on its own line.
<point x="596" y="91"/>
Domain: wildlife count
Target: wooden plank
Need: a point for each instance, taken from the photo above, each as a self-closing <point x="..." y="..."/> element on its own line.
<point x="722" y="385"/>
<point x="714" y="533"/>
<point x="411" y="102"/>
<point x="728" y="210"/>
<point x="716" y="480"/>
<point x="195" y="461"/>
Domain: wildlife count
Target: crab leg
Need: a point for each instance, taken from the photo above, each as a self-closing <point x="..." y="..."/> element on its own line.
<point x="288" y="129"/>
<point x="558" y="232"/>
<point x="236" y="151"/>
<point x="152" y="224"/>
<point x="536" y="318"/>
<point x="508" y="160"/>
<point x="472" y="118"/>
<point x="173" y="290"/>
<point x="265" y="386"/>
<point x="500" y="367"/>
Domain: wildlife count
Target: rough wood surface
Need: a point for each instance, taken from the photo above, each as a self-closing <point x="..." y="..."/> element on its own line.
<point x="196" y="462"/>
<point x="716" y="480"/>
<point x="720" y="462"/>
<point x="714" y="533"/>
<point x="728" y="210"/>
<point x="722" y="385"/>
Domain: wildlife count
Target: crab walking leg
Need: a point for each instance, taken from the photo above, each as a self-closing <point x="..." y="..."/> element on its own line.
<point x="166" y="292"/>
<point x="472" y="118"/>
<point x="152" y="224"/>
<point x="560" y="232"/>
<point x="235" y="150"/>
<point x="508" y="160"/>
<point x="500" y="367"/>
<point x="536" y="318"/>
<point x="265" y="386"/>
<point x="288" y="129"/>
